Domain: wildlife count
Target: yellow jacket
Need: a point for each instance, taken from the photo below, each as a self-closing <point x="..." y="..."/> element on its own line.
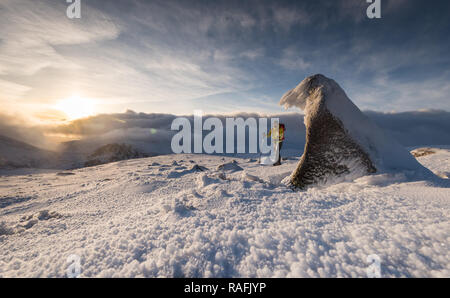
<point x="280" y="133"/>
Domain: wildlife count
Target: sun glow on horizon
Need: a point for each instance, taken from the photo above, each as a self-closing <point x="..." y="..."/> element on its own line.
<point x="76" y="107"/>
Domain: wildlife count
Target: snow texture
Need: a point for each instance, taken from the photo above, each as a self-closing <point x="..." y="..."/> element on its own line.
<point x="138" y="218"/>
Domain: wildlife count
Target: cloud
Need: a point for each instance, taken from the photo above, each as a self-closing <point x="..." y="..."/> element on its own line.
<point x="31" y="29"/>
<point x="151" y="133"/>
<point x="31" y="34"/>
<point x="384" y="93"/>
<point x="13" y="126"/>
<point x="287" y="17"/>
<point x="171" y="56"/>
<point x="52" y="57"/>
<point x="253" y="54"/>
<point x="11" y="90"/>
<point x="292" y="60"/>
<point x="417" y="128"/>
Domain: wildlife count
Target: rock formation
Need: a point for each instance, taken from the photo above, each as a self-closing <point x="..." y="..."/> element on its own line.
<point x="341" y="142"/>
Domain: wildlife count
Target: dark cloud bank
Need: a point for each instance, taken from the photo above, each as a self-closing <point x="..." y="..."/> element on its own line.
<point x="151" y="134"/>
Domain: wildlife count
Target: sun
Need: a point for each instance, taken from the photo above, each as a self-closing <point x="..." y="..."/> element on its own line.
<point x="76" y="107"/>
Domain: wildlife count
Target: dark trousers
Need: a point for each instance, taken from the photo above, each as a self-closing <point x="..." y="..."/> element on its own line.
<point x="280" y="144"/>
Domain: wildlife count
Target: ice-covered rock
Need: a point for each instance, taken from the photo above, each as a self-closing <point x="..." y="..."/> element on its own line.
<point x="341" y="142"/>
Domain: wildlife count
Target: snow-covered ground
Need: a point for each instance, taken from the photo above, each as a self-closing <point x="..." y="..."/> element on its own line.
<point x="436" y="159"/>
<point x="187" y="216"/>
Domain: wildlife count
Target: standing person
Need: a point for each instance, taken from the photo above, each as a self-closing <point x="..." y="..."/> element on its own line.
<point x="281" y="130"/>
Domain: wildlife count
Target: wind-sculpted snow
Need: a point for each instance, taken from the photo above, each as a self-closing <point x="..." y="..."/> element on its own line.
<point x="129" y="219"/>
<point x="341" y="142"/>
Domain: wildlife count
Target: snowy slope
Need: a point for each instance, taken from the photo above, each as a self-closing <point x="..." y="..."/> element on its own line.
<point x="436" y="159"/>
<point x="164" y="216"/>
<point x="16" y="154"/>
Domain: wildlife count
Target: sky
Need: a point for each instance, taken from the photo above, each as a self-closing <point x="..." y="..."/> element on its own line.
<point x="219" y="56"/>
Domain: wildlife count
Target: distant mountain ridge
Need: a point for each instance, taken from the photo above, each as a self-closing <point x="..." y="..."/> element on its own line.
<point x="111" y="153"/>
<point x="17" y="154"/>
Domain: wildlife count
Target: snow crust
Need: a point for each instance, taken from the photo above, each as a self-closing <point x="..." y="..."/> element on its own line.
<point x="385" y="152"/>
<point x="211" y="216"/>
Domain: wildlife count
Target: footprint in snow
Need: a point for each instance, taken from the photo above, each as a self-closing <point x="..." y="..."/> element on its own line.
<point x="230" y="167"/>
<point x="195" y="169"/>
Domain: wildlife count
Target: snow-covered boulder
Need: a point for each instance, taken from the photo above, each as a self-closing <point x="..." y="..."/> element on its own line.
<point x="341" y="142"/>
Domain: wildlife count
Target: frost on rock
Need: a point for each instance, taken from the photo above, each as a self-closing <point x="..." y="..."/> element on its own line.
<point x="341" y="142"/>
